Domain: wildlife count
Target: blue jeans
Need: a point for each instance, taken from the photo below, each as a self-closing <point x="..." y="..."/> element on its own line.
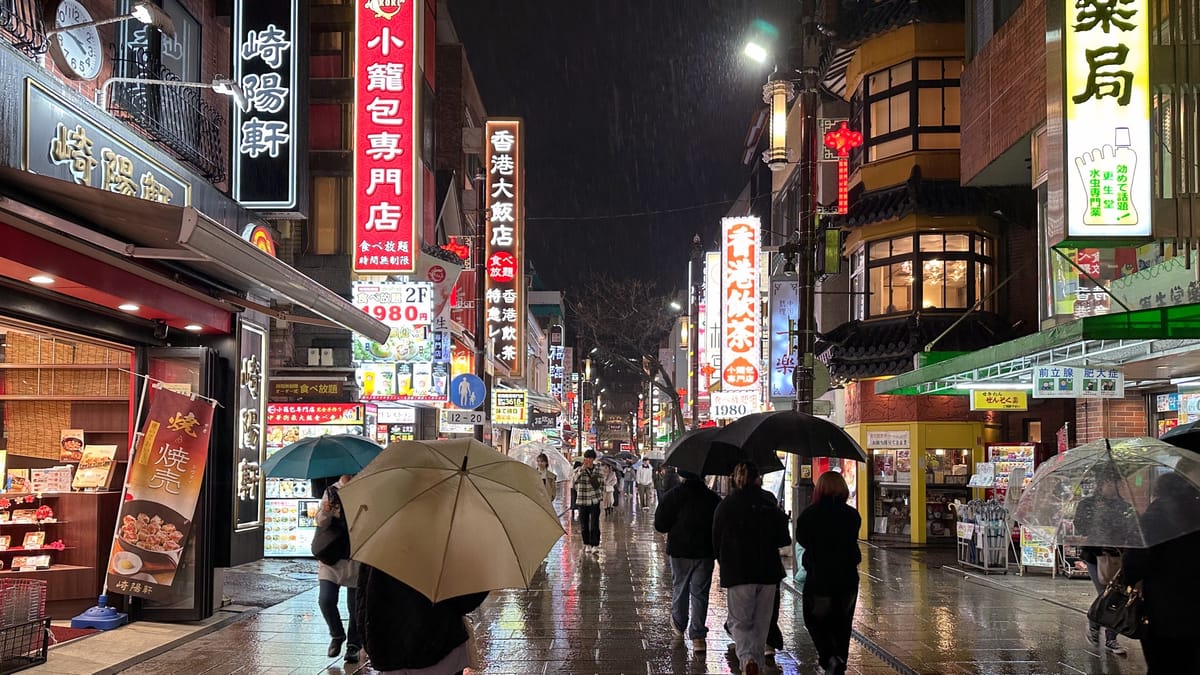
<point x="1094" y="573"/>
<point x="750" y="608"/>
<point x="327" y="600"/>
<point x="691" y="579"/>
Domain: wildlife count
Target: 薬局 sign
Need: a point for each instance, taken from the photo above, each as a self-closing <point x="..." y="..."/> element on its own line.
<point x="1106" y="52"/>
<point x="510" y="406"/>
<point x="740" y="354"/>
<point x="785" y="304"/>
<point x="164" y="484"/>
<point x="999" y="399"/>
<point x="266" y="65"/>
<point x="504" y="260"/>
<point x="386" y="137"/>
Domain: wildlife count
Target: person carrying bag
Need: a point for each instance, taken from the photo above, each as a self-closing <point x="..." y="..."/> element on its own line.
<point x="335" y="570"/>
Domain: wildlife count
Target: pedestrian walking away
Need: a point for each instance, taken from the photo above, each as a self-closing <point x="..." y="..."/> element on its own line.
<point x="1168" y="579"/>
<point x="608" y="477"/>
<point x="645" y="483"/>
<point x="748" y="531"/>
<point x="589" y="491"/>
<point x="685" y="514"/>
<point x="332" y="578"/>
<point x="1106" y="506"/>
<point x="828" y="532"/>
<point x="628" y="476"/>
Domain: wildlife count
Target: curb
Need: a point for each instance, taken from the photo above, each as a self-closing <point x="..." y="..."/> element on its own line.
<point x="984" y="580"/>
<point x="164" y="648"/>
<point x="894" y="662"/>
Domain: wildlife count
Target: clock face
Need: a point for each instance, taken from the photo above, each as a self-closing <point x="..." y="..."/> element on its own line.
<point x="76" y="52"/>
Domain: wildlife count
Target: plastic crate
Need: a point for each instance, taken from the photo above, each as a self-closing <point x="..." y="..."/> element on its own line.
<point x="24" y="645"/>
<point x="21" y="601"/>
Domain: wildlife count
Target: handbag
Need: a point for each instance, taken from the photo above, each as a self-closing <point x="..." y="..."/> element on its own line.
<point x="331" y="542"/>
<point x="1120" y="607"/>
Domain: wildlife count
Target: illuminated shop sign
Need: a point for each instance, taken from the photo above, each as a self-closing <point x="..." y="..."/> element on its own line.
<point x="504" y="298"/>
<point x="785" y="303"/>
<point x="740" y="353"/>
<point x="557" y="353"/>
<point x="1107" y="169"/>
<point x="386" y="137"/>
<point x="510" y="406"/>
<point x="414" y="363"/>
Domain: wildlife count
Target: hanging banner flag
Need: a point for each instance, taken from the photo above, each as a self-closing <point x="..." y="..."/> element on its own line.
<point x="160" y="495"/>
<point x="504" y="297"/>
<point x="740" y="352"/>
<point x="386" y="137"/>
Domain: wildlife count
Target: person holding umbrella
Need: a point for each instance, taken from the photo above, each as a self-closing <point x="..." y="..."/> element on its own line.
<point x="588" y="485"/>
<point x="685" y="514"/>
<point x="549" y="478"/>
<point x="1103" y="507"/>
<point x="828" y="531"/>
<point x="645" y="483"/>
<point x="332" y="578"/>
<point x="748" y="531"/>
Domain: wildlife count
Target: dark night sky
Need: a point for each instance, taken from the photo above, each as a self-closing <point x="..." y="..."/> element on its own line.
<point x="629" y="107"/>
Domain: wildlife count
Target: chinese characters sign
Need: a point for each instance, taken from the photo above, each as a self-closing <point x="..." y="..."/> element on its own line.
<point x="314" y="413"/>
<point x="265" y="66"/>
<point x="386" y="137"/>
<point x="999" y="399"/>
<point x="414" y="363"/>
<point x="504" y="300"/>
<point x="62" y="144"/>
<point x="1106" y="47"/>
<point x="510" y="406"/>
<point x="249" y="438"/>
<point x="161" y="494"/>
<point x="785" y="301"/>
<point x="740" y="353"/>
<point x="557" y="351"/>
<point x="1077" y="382"/>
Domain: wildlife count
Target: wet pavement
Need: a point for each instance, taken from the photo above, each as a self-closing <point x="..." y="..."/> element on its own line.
<point x="609" y="613"/>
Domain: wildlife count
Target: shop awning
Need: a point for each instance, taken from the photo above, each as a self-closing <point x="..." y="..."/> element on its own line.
<point x="1113" y="340"/>
<point x="544" y="402"/>
<point x="140" y="229"/>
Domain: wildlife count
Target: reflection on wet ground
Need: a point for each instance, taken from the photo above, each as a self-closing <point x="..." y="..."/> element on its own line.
<point x="609" y="613"/>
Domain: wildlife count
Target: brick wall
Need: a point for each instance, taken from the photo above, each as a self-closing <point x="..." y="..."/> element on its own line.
<point x="1004" y="89"/>
<point x="863" y="405"/>
<point x="1109" y="418"/>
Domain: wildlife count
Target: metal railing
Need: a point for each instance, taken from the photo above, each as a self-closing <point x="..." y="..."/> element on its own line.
<point x="21" y="22"/>
<point x="177" y="117"/>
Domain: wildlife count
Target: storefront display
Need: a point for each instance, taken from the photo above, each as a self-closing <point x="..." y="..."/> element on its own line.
<point x="1009" y="456"/>
<point x="289" y="525"/>
<point x="947" y="471"/>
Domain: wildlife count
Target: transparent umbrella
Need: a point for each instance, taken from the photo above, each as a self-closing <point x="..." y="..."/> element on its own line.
<point x="1114" y="493"/>
<point x="527" y="453"/>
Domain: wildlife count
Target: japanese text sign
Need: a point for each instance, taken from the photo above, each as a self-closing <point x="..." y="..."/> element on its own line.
<point x="785" y="303"/>
<point x="1077" y="382"/>
<point x="740" y="353"/>
<point x="1106" y="52"/>
<point x="250" y="437"/>
<point x="386" y="137"/>
<point x="557" y="352"/>
<point x="999" y="399"/>
<point x="510" y="406"/>
<point x="161" y="494"/>
<point x="315" y="413"/>
<point x="710" y="336"/>
<point x="504" y="260"/>
<point x="265" y="65"/>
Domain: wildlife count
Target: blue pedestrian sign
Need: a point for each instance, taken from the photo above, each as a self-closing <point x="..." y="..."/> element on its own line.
<point x="467" y="391"/>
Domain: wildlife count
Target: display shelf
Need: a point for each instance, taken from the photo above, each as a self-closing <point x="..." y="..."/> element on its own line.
<point x="52" y="569"/>
<point x="62" y="366"/>
<point x="35" y="550"/>
<point x="34" y="522"/>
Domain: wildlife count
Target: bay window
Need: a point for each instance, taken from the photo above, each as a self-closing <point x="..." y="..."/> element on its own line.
<point x="920" y="271"/>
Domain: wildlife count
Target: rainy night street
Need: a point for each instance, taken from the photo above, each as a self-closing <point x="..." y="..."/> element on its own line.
<point x="609" y="613"/>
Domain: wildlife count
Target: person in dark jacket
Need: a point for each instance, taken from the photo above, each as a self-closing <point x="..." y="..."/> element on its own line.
<point x="1103" y="508"/>
<point x="1168" y="578"/>
<point x="748" y="531"/>
<point x="406" y="632"/>
<point x="685" y="514"/>
<point x="828" y="531"/>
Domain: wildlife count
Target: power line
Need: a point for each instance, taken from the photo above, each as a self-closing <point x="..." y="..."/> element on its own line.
<point x="635" y="214"/>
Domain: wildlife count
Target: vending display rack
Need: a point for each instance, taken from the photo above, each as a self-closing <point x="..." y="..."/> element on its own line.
<point x="983" y="536"/>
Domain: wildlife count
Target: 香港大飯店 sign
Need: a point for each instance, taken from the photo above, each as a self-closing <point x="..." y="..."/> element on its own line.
<point x="504" y="259"/>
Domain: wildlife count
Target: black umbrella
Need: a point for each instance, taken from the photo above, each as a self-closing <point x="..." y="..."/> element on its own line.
<point x="791" y="431"/>
<point x="695" y="452"/>
<point x="625" y="456"/>
<point x="1186" y="436"/>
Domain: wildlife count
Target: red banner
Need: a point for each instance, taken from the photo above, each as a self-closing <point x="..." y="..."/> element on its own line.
<point x="386" y="137"/>
<point x="160" y="495"/>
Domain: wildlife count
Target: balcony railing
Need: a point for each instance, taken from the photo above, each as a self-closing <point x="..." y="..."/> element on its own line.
<point x="21" y="23"/>
<point x="177" y="117"/>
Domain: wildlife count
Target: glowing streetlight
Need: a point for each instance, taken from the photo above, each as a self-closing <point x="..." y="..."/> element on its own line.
<point x="756" y="52"/>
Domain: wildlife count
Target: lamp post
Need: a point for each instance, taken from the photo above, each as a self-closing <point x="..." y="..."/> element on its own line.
<point x="697" y="252"/>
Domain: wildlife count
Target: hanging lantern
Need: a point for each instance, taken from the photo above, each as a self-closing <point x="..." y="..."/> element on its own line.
<point x="777" y="93"/>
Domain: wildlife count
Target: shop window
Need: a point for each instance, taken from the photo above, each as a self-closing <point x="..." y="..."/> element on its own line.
<point x="181" y="54"/>
<point x="952" y="273"/>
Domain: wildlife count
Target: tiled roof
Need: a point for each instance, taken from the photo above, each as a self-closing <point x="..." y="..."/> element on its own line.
<point x="872" y="17"/>
<point x="861" y="349"/>
<point x="935" y="198"/>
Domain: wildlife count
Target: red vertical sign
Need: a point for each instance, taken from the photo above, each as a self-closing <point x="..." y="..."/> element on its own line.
<point x="504" y="296"/>
<point x="386" y="137"/>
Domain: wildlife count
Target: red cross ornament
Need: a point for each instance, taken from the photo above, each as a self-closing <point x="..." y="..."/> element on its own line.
<point x="842" y="140"/>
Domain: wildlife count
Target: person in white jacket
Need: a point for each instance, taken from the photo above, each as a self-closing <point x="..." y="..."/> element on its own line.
<point x="645" y="483"/>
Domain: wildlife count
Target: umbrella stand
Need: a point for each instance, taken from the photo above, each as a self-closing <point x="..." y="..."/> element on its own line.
<point x="983" y="534"/>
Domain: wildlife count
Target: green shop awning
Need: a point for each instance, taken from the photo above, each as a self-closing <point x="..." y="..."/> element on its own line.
<point x="1111" y="340"/>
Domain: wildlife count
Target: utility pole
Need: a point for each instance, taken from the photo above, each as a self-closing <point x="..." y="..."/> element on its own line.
<point x="696" y="254"/>
<point x="479" y="250"/>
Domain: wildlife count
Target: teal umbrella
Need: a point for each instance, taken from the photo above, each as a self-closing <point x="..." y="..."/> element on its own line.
<point x="322" y="457"/>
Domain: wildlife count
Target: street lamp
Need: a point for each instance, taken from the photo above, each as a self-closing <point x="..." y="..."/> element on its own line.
<point x="756" y="52"/>
<point x="777" y="93"/>
<point x="143" y="10"/>
<point x="220" y="85"/>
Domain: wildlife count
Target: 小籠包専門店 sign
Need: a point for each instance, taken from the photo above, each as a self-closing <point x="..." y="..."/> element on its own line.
<point x="739" y="304"/>
<point x="387" y="137"/>
<point x="161" y="492"/>
<point x="504" y="259"/>
<point x="1108" y="160"/>
<point x="999" y="399"/>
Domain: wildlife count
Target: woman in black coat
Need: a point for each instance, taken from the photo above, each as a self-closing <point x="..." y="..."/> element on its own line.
<point x="828" y="531"/>
<point x="405" y="633"/>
